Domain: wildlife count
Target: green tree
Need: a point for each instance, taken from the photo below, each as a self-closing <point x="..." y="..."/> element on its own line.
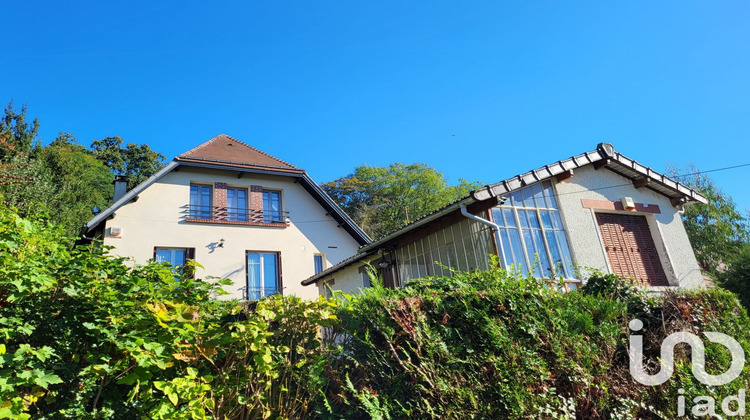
<point x="80" y="181"/>
<point x="18" y="135"/>
<point x="717" y="230"/>
<point x="381" y="199"/>
<point x="24" y="181"/>
<point x="137" y="161"/>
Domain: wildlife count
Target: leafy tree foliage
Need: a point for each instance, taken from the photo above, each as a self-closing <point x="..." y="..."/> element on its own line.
<point x="381" y="199"/>
<point x="80" y="181"/>
<point x="137" y="161"/>
<point x="717" y="230"/>
<point x="737" y="275"/>
<point x="19" y="137"/>
<point x="86" y="336"/>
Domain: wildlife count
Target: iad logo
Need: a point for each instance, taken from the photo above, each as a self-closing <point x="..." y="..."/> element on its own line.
<point x="704" y="404"/>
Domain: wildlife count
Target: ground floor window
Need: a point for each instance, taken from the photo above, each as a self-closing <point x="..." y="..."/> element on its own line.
<point x="263" y="274"/>
<point x="176" y="257"/>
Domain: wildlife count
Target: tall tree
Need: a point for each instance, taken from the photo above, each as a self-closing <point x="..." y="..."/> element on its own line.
<point x="717" y="230"/>
<point x="80" y="180"/>
<point x="137" y="161"/>
<point x="381" y="199"/>
<point x="19" y="136"/>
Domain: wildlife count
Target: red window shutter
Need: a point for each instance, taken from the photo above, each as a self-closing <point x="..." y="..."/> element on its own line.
<point x="631" y="249"/>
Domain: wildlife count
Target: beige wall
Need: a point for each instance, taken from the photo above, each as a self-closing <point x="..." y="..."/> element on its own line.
<point x="156" y="219"/>
<point x="581" y="226"/>
<point x="348" y="280"/>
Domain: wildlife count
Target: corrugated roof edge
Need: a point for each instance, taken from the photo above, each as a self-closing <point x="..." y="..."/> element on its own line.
<point x="603" y="151"/>
<point x="337" y="267"/>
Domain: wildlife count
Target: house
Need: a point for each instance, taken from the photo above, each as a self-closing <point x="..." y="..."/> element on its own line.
<point x="598" y="210"/>
<point x="242" y="214"/>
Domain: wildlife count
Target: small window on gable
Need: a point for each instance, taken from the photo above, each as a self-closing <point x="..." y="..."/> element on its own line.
<point x="319" y="263"/>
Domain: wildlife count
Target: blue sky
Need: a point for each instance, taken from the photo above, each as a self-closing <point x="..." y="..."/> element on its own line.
<point x="480" y="90"/>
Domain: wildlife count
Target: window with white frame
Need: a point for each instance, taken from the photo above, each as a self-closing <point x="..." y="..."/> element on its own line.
<point x="263" y="277"/>
<point x="319" y="263"/>
<point x="532" y="233"/>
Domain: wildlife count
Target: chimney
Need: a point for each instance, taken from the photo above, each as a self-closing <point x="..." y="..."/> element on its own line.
<point x="121" y="186"/>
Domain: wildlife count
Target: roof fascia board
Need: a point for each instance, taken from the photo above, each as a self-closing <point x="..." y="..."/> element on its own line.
<point x="336" y="268"/>
<point x="519" y="181"/>
<point x="232" y="167"/>
<point x="421" y="222"/>
<point x="91" y="224"/>
<point x="327" y="202"/>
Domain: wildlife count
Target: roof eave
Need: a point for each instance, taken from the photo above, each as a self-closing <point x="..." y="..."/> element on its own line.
<point x="130" y="195"/>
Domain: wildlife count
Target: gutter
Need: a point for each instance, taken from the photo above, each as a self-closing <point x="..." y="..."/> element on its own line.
<point x="495" y="231"/>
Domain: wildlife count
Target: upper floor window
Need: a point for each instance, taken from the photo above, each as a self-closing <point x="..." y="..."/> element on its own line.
<point x="237" y="210"/>
<point x="200" y="202"/>
<point x="263" y="277"/>
<point x="532" y="232"/>
<point x="272" y="210"/>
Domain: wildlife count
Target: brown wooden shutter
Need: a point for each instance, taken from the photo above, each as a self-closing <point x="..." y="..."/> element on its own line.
<point x="630" y="248"/>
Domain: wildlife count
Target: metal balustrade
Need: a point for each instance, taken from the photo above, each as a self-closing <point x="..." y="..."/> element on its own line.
<point x="234" y="214"/>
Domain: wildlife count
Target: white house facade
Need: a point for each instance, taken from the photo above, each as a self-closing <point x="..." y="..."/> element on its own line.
<point x="240" y="213"/>
<point x="599" y="210"/>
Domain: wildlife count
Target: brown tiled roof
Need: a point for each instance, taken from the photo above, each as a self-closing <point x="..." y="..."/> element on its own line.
<point x="228" y="151"/>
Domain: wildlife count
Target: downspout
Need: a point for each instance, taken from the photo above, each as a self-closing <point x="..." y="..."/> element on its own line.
<point x="495" y="231"/>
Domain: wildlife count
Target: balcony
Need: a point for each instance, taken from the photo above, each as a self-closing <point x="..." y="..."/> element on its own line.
<point x="234" y="216"/>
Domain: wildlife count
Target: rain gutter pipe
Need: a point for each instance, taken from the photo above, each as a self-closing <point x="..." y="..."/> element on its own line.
<point x="495" y="231"/>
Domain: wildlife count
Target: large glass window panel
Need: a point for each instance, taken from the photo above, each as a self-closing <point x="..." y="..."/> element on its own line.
<point x="538" y="238"/>
<point x="565" y="253"/>
<point x="542" y="253"/>
<point x="510" y="218"/>
<point x="538" y="196"/>
<point x="533" y="219"/>
<point x="528" y="197"/>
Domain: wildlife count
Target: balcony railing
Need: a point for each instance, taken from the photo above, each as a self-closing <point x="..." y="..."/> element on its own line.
<point x="234" y="214"/>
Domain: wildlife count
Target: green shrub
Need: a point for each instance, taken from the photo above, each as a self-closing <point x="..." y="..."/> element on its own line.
<point x="82" y="335"/>
<point x="494" y="345"/>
